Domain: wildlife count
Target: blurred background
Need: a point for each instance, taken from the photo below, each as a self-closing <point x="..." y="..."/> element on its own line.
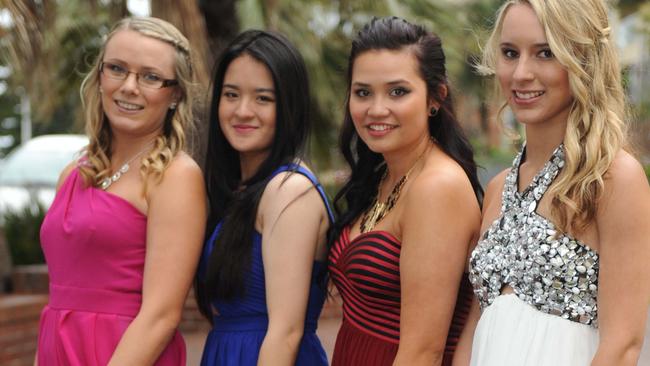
<point x="47" y="46"/>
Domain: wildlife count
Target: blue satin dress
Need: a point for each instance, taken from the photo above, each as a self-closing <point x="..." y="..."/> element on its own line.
<point x="240" y="326"/>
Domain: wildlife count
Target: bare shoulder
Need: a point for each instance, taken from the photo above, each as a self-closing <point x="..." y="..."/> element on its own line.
<point x="290" y="192"/>
<point x="182" y="172"/>
<point x="65" y="173"/>
<point x="286" y="187"/>
<point x="625" y="169"/>
<point x="625" y="180"/>
<point x="445" y="184"/>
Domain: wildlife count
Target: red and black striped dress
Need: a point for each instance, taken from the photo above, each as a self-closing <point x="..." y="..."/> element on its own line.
<point x="366" y="274"/>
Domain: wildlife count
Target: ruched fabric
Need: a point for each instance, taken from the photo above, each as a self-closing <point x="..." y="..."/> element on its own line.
<point x="241" y="324"/>
<point x="365" y="270"/>
<point x="94" y="244"/>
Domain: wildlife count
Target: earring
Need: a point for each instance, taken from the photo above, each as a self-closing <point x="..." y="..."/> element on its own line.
<point x="433" y="111"/>
<point x="172" y="106"/>
<point x="101" y="91"/>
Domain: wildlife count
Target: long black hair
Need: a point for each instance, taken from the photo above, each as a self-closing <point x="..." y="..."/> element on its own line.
<point x="393" y="33"/>
<point x="235" y="208"/>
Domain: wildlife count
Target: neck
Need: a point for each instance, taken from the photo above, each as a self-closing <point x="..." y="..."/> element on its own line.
<point x="250" y="163"/>
<point x="400" y="162"/>
<point x="541" y="141"/>
<point x="125" y="148"/>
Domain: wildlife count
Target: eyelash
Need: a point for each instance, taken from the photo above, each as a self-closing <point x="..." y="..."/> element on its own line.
<point x="509" y="53"/>
<point x="401" y="92"/>
<point x="266" y="99"/>
<point x="361" y="93"/>
<point x="395" y="92"/>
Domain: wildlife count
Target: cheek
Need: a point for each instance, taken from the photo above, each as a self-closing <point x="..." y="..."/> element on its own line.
<point x="222" y="112"/>
<point x="563" y="84"/>
<point x="504" y="76"/>
<point x="357" y="111"/>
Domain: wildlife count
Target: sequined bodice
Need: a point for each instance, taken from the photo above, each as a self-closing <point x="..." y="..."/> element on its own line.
<point x="553" y="272"/>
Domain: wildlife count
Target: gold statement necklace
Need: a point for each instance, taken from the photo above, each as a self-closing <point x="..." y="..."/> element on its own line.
<point x="378" y="210"/>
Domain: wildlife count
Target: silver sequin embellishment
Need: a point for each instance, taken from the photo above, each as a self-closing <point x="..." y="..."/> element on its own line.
<point x="554" y="273"/>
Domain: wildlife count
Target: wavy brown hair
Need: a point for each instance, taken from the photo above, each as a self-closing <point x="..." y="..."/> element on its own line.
<point x="578" y="34"/>
<point x="178" y="122"/>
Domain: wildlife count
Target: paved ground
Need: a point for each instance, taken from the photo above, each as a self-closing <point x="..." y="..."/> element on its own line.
<point x="327" y="329"/>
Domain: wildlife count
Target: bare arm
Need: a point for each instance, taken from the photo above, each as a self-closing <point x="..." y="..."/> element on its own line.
<point x="624" y="288"/>
<point x="435" y="242"/>
<point x="293" y="217"/>
<point x="175" y="226"/>
<point x="491" y="210"/>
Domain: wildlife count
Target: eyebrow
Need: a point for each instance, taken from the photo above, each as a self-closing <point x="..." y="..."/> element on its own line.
<point x="142" y="68"/>
<point x="535" y="45"/>
<point x="392" y="82"/>
<point x="257" y="90"/>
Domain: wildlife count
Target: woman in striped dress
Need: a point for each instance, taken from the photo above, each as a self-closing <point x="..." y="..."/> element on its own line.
<point x="412" y="203"/>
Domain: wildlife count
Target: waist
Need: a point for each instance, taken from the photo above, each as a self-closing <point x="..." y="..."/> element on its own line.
<point x="95" y="300"/>
<point x="250" y="323"/>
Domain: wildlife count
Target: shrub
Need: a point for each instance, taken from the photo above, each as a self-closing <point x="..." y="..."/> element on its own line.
<point x="22" y="230"/>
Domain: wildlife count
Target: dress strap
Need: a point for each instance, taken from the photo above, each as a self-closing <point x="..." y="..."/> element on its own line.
<point x="297" y="168"/>
<point x="543" y="179"/>
<point x="534" y="192"/>
<point x="510" y="187"/>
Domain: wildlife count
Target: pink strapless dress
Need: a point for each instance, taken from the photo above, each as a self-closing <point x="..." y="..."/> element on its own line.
<point x="94" y="244"/>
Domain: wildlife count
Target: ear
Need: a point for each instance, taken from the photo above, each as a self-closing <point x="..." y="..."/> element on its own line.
<point x="177" y="95"/>
<point x="442" y="95"/>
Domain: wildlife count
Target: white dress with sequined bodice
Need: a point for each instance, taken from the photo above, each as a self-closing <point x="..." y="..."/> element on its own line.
<point x="551" y="317"/>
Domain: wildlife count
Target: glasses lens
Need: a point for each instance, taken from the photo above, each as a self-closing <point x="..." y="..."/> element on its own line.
<point x="114" y="71"/>
<point x="150" y="80"/>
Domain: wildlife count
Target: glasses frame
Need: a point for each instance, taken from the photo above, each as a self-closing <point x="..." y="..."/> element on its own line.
<point x="165" y="82"/>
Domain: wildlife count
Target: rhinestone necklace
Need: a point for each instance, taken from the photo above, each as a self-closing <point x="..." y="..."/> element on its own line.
<point x="106" y="182"/>
<point x="379" y="209"/>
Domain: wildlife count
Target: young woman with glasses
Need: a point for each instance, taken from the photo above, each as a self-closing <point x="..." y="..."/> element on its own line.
<point x="124" y="233"/>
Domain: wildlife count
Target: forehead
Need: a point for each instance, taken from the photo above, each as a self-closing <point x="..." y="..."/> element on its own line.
<point x="520" y="23"/>
<point x="246" y="70"/>
<point x="377" y="66"/>
<point x="138" y="50"/>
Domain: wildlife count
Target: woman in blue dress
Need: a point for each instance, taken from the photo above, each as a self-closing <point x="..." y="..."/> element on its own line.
<point x="262" y="279"/>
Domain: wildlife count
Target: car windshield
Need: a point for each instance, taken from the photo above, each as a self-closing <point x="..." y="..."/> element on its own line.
<point x="38" y="167"/>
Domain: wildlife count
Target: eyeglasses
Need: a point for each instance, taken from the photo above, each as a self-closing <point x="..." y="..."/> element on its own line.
<point x="147" y="79"/>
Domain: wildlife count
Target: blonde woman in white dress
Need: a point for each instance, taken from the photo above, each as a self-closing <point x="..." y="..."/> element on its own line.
<point x="561" y="273"/>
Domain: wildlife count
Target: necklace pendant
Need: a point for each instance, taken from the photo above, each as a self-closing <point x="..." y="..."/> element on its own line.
<point x="106" y="182"/>
<point x="124" y="168"/>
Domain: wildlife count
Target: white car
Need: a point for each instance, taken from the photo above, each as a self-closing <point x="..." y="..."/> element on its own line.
<point x="29" y="173"/>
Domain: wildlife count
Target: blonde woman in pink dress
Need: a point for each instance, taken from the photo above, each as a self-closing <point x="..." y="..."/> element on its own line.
<point x="124" y="233"/>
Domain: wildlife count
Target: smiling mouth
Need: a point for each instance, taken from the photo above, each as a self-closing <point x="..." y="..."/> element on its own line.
<point x="527" y="95"/>
<point x="128" y="106"/>
<point x="380" y="127"/>
<point x="244" y="127"/>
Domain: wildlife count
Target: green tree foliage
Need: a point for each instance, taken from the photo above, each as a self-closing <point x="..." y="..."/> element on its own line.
<point x="22" y="232"/>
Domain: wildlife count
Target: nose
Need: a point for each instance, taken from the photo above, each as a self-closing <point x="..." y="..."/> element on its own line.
<point x="130" y="84"/>
<point x="243" y="110"/>
<point x="524" y="69"/>
<point x="378" y="108"/>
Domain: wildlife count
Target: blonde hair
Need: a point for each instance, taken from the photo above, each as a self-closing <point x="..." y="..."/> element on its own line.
<point x="578" y="34"/>
<point x="178" y="123"/>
